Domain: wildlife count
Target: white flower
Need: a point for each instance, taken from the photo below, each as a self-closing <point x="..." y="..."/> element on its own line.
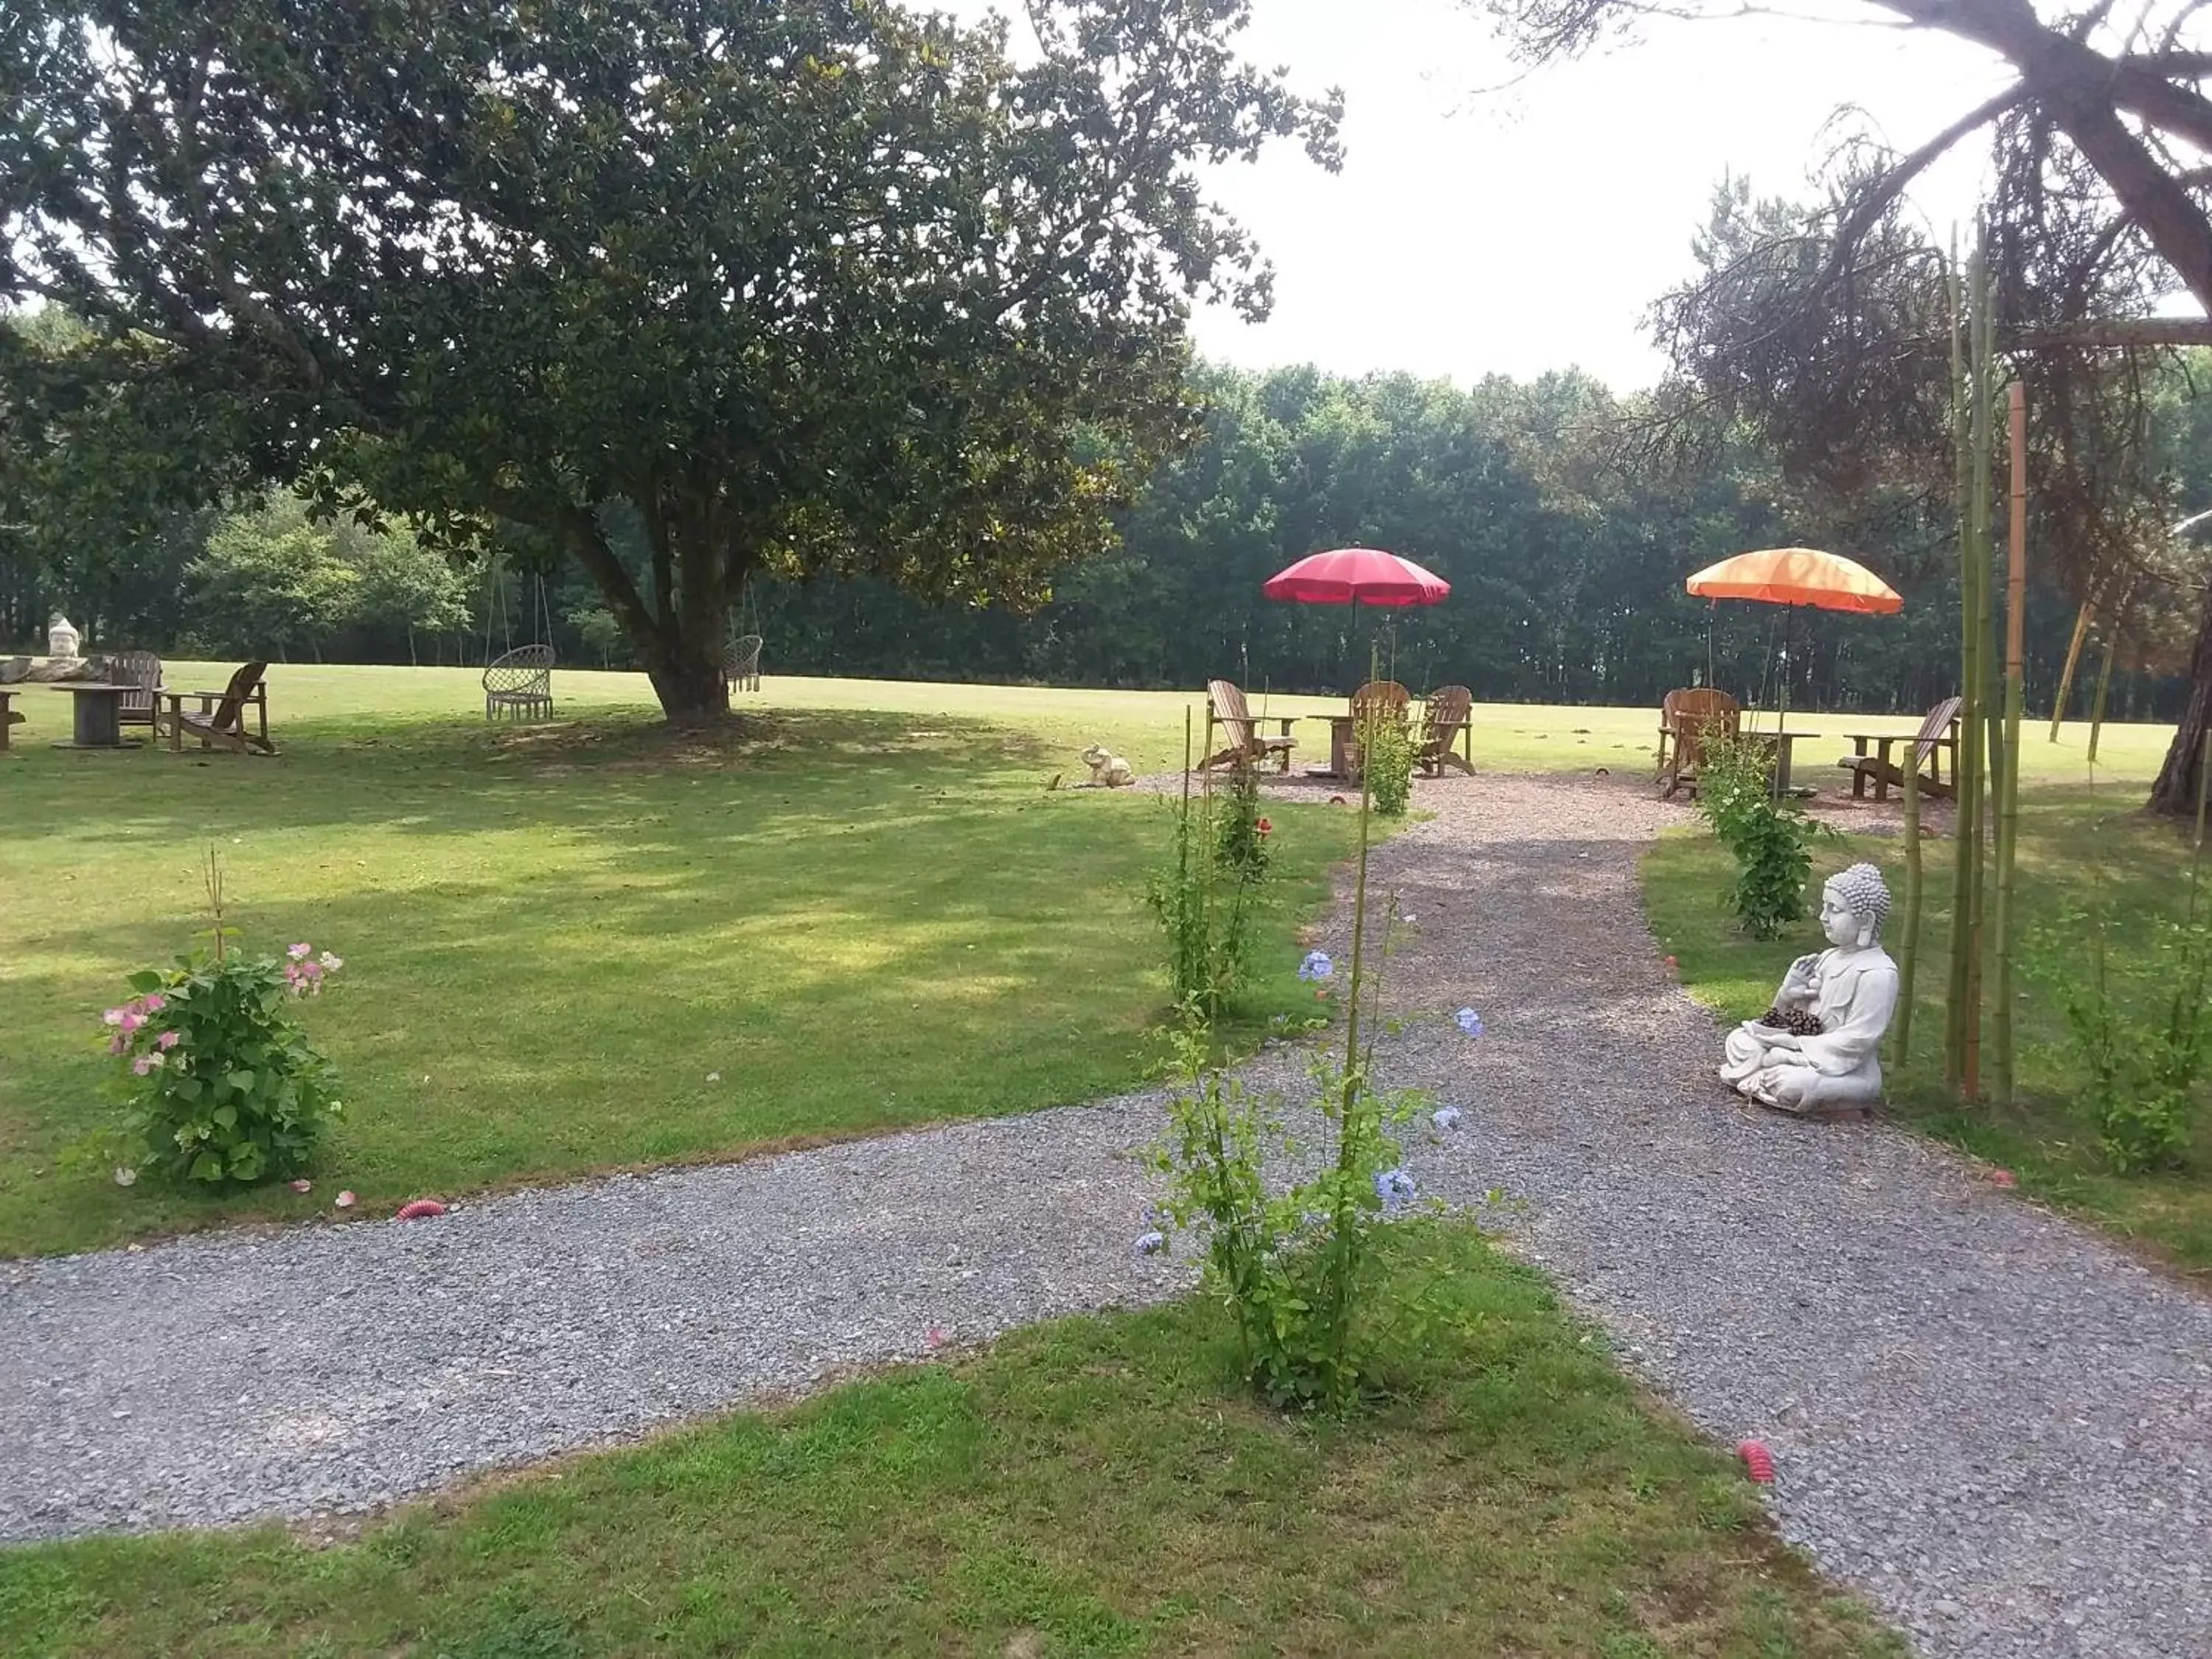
<point x="125" y="1174"/>
<point x="331" y="964"/>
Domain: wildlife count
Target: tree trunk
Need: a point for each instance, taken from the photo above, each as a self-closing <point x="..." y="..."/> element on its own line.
<point x="2175" y="792"/>
<point x="678" y="637"/>
<point x="688" y="681"/>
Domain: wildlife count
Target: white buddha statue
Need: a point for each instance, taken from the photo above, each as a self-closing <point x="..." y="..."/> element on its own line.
<point x="1851" y="991"/>
<point x="61" y="640"/>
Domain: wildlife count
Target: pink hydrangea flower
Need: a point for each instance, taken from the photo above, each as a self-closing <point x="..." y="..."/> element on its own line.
<point x="299" y="950"/>
<point x="153" y="1002"/>
<point x="145" y="1063"/>
<point x="112" y="1017"/>
<point x="131" y="1021"/>
<point x="117" y="1043"/>
<point x="167" y="1039"/>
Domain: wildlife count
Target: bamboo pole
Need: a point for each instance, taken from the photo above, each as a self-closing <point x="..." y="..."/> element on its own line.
<point x="1975" y="666"/>
<point x="2073" y="658"/>
<point x="1908" y="949"/>
<point x="1989" y="756"/>
<point x="2009" y="789"/>
<point x="1955" y="999"/>
<point x="2103" y="689"/>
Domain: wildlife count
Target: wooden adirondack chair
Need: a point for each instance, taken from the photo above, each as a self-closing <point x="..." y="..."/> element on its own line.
<point x="1377" y="700"/>
<point x="220" y="721"/>
<point x="520" y="682"/>
<point x="1938" y="736"/>
<point x="1447" y="727"/>
<point x="741" y="663"/>
<point x="142" y="705"/>
<point x="1686" y="718"/>
<point x="9" y="715"/>
<point x="1244" y="745"/>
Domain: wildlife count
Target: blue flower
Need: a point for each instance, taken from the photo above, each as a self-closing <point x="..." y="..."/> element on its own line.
<point x="1316" y="966"/>
<point x="1445" y="1117"/>
<point x="1468" y="1021"/>
<point x="1150" y="1244"/>
<point x="1394" y="1188"/>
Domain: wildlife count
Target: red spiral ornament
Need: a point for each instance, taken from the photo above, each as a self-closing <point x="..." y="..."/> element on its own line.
<point x="1758" y="1462"/>
<point x="421" y="1209"/>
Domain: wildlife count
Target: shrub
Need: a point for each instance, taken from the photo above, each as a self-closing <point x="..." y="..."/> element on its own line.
<point x="1205" y="903"/>
<point x="1242" y="829"/>
<point x="1295" y="1260"/>
<point x="1770" y="839"/>
<point x="221" y="1085"/>
<point x="1387" y="753"/>
<point x="2140" y="1040"/>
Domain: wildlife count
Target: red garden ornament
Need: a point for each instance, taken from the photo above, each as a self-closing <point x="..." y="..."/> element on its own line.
<point x="2003" y="1178"/>
<point x="1758" y="1462"/>
<point x="420" y="1210"/>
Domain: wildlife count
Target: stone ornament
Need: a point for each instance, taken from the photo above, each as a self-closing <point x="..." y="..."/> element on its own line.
<point x="1817" y="1053"/>
<point x="61" y="640"/>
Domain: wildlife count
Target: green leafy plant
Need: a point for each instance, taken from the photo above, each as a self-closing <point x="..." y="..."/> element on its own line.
<point x="1770" y="839"/>
<point x="1295" y="1259"/>
<point x="1241" y="828"/>
<point x="1387" y="756"/>
<point x="221" y="1085"/>
<point x="1206" y="900"/>
<point x="1295" y="1263"/>
<point x="2139" y="1039"/>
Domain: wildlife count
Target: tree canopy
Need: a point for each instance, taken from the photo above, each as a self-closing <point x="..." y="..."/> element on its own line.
<point x="819" y="286"/>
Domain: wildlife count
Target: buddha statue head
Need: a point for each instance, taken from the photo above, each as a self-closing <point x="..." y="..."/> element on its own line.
<point x="61" y="640"/>
<point x="1854" y="904"/>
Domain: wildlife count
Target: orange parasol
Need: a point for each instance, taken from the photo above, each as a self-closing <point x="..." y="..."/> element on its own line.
<point x="1798" y="575"/>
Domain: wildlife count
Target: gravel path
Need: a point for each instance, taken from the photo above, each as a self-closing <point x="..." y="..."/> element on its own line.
<point x="1992" y="1422"/>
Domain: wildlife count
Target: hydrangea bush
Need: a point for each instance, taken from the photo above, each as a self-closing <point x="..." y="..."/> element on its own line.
<point x="221" y="1085"/>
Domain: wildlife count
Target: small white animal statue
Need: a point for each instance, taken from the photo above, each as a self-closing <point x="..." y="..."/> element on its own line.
<point x="1108" y="769"/>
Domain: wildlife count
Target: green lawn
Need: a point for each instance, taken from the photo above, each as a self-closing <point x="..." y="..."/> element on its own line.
<point x="860" y="917"/>
<point x="2077" y="847"/>
<point x="590" y="943"/>
<point x="1088" y="1487"/>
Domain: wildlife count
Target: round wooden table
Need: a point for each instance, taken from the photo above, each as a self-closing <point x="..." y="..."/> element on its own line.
<point x="98" y="722"/>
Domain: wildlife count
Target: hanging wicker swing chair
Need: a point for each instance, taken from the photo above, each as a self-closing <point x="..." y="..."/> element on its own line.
<point x="741" y="652"/>
<point x="517" y="683"/>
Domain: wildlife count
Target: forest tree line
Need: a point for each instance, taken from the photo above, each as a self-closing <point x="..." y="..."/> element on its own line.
<point x="1565" y="532"/>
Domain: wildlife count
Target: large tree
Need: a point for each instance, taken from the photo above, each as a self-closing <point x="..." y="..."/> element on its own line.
<point x="809" y="285"/>
<point x="2103" y="208"/>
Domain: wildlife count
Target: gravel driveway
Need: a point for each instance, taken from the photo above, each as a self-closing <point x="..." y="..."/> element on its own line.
<point x="1991" y="1421"/>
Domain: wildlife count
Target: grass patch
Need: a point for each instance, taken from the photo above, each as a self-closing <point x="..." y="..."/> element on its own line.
<point x="861" y="919"/>
<point x="2073" y="844"/>
<point x="1085" y="1488"/>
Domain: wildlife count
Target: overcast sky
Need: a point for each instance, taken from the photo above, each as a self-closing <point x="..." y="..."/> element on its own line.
<point x="1473" y="232"/>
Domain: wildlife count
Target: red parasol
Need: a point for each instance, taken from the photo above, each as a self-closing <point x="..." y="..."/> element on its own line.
<point x="1357" y="575"/>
